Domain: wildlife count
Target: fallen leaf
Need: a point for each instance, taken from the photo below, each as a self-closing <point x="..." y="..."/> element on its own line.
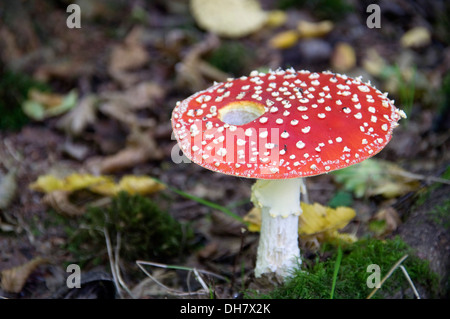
<point x="276" y="18"/>
<point x="316" y="221"/>
<point x="308" y="29"/>
<point x="376" y="177"/>
<point x="13" y="279"/>
<point x="142" y="185"/>
<point x="284" y="39"/>
<point x="60" y="202"/>
<point x="228" y="18"/>
<point x="41" y="105"/>
<point x="129" y="55"/>
<point x="373" y="63"/>
<point x="317" y="218"/>
<point x="8" y="188"/>
<point x="137" y="97"/>
<point x="416" y="37"/>
<point x="104" y="185"/>
<point x="343" y="58"/>
<point x="82" y="115"/>
<point x="385" y="221"/>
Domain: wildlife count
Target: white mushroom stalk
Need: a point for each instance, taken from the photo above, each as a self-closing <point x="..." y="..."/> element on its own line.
<point x="279" y="201"/>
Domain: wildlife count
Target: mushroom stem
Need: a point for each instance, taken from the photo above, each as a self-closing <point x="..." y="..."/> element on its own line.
<point x="279" y="201"/>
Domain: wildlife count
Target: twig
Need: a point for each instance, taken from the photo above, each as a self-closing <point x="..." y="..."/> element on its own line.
<point x="168" y="289"/>
<point x="422" y="177"/>
<point x="117" y="268"/>
<point x="155" y="264"/>
<point x="397" y="264"/>
<point x="111" y="262"/>
<point x="410" y="281"/>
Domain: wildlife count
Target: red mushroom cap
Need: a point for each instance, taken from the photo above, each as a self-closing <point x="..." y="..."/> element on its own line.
<point x="284" y="124"/>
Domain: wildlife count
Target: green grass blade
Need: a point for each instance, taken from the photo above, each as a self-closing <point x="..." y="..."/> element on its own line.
<point x="204" y="202"/>
<point x="336" y="271"/>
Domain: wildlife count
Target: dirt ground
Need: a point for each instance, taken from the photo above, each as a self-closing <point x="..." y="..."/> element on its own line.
<point x="136" y="59"/>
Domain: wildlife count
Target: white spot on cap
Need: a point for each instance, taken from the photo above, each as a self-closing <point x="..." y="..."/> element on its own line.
<point x="263" y="134"/>
<point x="306" y="129"/>
<point x="222" y="152"/>
<point x="300" y="145"/>
<point x="263" y="120"/>
<point x="338" y="139"/>
<point x="284" y="134"/>
<point x="363" y="88"/>
<point x="384" y="127"/>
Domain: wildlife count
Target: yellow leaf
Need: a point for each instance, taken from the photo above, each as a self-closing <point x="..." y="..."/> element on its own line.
<point x="253" y="218"/>
<point x="343" y="58"/>
<point x="314" y="29"/>
<point x="229" y="18"/>
<point x="284" y="39"/>
<point x="139" y="185"/>
<point x="103" y="185"/>
<point x="47" y="184"/>
<point x="276" y="18"/>
<point x="76" y="182"/>
<point x="316" y="220"/>
<point x="416" y="37"/>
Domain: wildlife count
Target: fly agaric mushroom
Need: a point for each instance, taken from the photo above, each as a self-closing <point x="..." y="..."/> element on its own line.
<point x="279" y="127"/>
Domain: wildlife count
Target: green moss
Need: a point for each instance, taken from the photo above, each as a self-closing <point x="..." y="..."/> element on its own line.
<point x="231" y="57"/>
<point x="441" y="214"/>
<point x="14" y="88"/>
<point x="314" y="279"/>
<point x="146" y="231"/>
<point x="323" y="9"/>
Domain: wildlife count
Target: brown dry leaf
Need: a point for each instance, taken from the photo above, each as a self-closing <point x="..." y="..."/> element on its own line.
<point x="141" y="147"/>
<point x="129" y="55"/>
<point x="193" y="72"/>
<point x="308" y="29"/>
<point x="284" y="39"/>
<point x="13" y="279"/>
<point x="82" y="115"/>
<point x="137" y="97"/>
<point x="45" y="98"/>
<point x="390" y="218"/>
<point x="416" y="37"/>
<point x="343" y="58"/>
<point x="8" y="188"/>
<point x="64" y="69"/>
<point x="59" y="201"/>
<point x="373" y="63"/>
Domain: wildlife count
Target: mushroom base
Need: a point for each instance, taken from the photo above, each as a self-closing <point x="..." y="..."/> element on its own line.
<point x="279" y="201"/>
